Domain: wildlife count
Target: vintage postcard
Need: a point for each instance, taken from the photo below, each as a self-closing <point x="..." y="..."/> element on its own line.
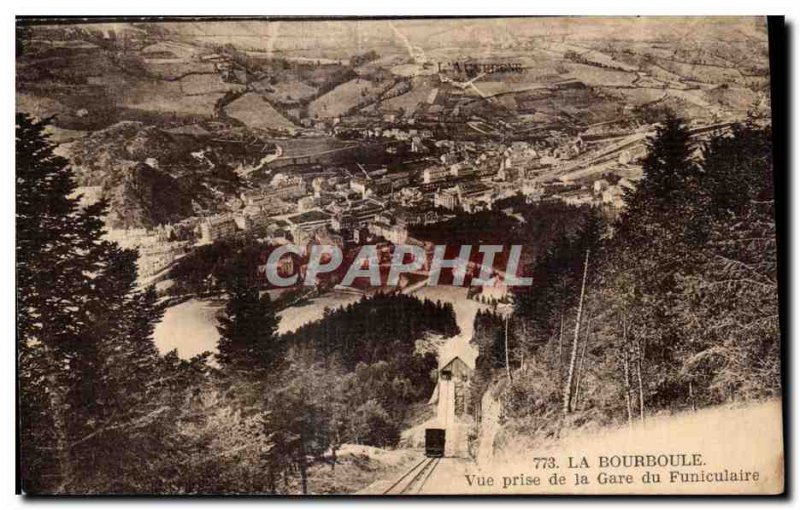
<point x="388" y="256"/>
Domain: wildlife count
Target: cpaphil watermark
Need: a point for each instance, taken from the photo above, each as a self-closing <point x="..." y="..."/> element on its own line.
<point x="395" y="265"/>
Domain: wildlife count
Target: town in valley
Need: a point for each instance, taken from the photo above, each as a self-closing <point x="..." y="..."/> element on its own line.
<point x="621" y="167"/>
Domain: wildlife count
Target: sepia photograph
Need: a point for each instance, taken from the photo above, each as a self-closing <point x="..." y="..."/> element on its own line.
<point x="398" y="256"/>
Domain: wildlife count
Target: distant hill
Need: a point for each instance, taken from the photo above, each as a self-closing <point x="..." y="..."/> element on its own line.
<point x="142" y="196"/>
<point x="273" y="75"/>
<point x="151" y="175"/>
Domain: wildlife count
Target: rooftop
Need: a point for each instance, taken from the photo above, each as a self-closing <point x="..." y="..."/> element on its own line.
<point x="309" y="216"/>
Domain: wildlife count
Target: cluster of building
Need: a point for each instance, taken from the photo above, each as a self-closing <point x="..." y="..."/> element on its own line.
<point x="356" y="205"/>
<point x="599" y="192"/>
<point x="158" y="247"/>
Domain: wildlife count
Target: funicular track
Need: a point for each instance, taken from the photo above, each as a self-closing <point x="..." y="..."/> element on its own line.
<point x="413" y="480"/>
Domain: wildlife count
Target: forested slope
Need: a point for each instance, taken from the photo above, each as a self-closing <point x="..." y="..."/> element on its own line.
<point x="672" y="306"/>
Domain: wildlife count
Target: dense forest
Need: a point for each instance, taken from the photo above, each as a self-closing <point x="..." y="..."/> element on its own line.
<point x="374" y="342"/>
<point x="209" y="268"/>
<point x="101" y="412"/>
<point x="671" y="306"/>
<point x="538" y="226"/>
<point x="374" y="329"/>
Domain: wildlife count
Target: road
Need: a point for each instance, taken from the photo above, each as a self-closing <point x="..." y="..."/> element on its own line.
<point x="314" y="154"/>
<point x="597" y="160"/>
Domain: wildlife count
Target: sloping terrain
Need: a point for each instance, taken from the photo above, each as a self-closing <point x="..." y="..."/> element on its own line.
<point x="139" y="166"/>
<point x="348" y="96"/>
<point x="732" y="437"/>
<point x="141" y="196"/>
<point x="255" y="112"/>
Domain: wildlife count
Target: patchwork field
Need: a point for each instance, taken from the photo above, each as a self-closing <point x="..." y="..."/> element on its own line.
<point x="168" y="98"/>
<point x="196" y="84"/>
<point x="598" y="76"/>
<point x="255" y="112"/>
<point x="287" y="91"/>
<point x="421" y="89"/>
<point x="346" y="96"/>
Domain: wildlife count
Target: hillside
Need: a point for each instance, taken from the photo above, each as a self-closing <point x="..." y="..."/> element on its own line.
<point x="142" y="196"/>
<point x="135" y="164"/>
<point x="170" y="71"/>
<point x="255" y="112"/>
<point x="730" y="437"/>
<point x="348" y="96"/>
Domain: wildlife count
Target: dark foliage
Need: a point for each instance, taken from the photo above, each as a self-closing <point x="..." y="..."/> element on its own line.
<point x="374" y="329"/>
<point x="681" y="302"/>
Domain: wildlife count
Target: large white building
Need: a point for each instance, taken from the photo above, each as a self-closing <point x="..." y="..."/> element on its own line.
<point x="217" y="227"/>
<point x="434" y="174"/>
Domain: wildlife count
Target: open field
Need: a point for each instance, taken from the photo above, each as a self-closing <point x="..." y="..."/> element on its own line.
<point x="346" y="96"/>
<point x="175" y="70"/>
<point x="191" y="326"/>
<point x="255" y="112"/>
<point x="195" y="84"/>
<point x="594" y="76"/>
<point x="288" y="91"/>
<point x="420" y="91"/>
<point x="167" y="98"/>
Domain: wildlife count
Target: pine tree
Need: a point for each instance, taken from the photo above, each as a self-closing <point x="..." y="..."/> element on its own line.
<point x="248" y="332"/>
<point x="53" y="261"/>
<point x="656" y="244"/>
<point x="87" y="362"/>
<point x="663" y="215"/>
<point x="729" y="306"/>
